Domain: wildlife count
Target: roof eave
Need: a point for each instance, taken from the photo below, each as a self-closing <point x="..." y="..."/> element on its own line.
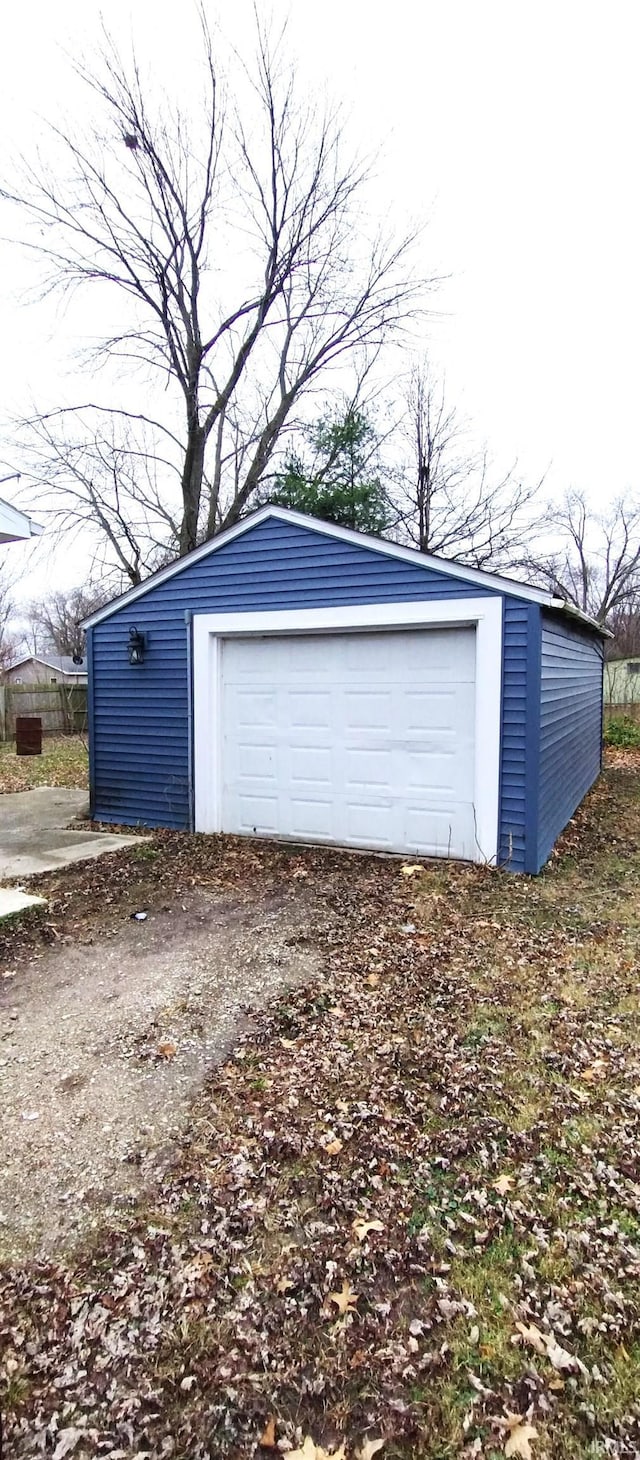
<point x="564" y="606"/>
<point x="16" y="526"/>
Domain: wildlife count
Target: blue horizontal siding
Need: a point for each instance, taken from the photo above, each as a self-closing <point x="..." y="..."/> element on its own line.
<point x="140" y="716"/>
<point x="570" y="725"/>
<point x="513" y="791"/>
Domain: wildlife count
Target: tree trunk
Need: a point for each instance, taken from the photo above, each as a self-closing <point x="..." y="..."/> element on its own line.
<point x="192" y="487"/>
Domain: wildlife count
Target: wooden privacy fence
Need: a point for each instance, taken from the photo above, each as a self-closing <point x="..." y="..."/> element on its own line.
<point x="61" y="707"/>
<point x="630" y="709"/>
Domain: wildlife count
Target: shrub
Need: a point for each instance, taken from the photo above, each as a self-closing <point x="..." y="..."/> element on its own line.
<point x="622" y="730"/>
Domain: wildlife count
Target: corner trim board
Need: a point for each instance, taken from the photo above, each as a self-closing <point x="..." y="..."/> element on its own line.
<point x="533" y="740"/>
<point x="91" y="721"/>
<point x="484" y="614"/>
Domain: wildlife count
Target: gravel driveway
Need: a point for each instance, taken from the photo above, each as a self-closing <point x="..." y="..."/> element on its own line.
<point x="103" y="1044"/>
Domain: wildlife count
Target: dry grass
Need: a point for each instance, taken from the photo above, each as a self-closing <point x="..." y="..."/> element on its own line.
<point x="64" y="762"/>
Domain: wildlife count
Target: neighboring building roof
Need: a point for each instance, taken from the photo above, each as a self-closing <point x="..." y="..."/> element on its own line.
<point x="63" y="663"/>
<point x="15" y="525"/>
<point x="477" y="576"/>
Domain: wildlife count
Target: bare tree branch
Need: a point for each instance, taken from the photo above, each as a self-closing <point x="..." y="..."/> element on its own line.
<point x="238" y="250"/>
<point x="449" y="503"/>
<point x="594" y="558"/>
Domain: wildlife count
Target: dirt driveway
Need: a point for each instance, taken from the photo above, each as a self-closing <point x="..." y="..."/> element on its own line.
<point x="102" y="1046"/>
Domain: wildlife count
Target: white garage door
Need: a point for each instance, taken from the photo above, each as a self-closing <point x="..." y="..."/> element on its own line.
<point x="365" y="739"/>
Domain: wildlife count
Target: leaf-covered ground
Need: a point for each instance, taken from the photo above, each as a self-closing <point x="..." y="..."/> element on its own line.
<point x="64" y="762"/>
<point x="406" y="1220"/>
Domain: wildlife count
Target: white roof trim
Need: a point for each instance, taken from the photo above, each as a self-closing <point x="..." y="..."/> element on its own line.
<point x="15" y="525"/>
<point x="473" y="576"/>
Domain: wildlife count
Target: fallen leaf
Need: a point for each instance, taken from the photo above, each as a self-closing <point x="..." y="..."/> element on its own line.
<point x="333" y="1148"/>
<point x="288" y="1043"/>
<point x="545" y="1343"/>
<point x="196" y="1270"/>
<point x="533" y="1336"/>
<point x="67" y="1441"/>
<point x="411" y="869"/>
<point x="362" y="1228"/>
<point x="369" y="1448"/>
<point x="167" y="1049"/>
<point x="268" y="1436"/>
<point x="596" y="1071"/>
<point x="358" y="1358"/>
<point x="503" y="1184"/>
<point x="560" y="1357"/>
<point x="284" y="1284"/>
<point x="346" y="1300"/>
<point x="520" y="1433"/>
<point x="311" y="1451"/>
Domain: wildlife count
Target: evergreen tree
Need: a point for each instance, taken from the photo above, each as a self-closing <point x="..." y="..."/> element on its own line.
<point x="337" y="480"/>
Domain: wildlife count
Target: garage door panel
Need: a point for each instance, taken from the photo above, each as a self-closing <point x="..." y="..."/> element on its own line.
<point x="362" y="739"/>
<point x="433" y="778"/>
<point x="312" y="819"/>
<point x="311" y="764"/>
<point x="370" y="819"/>
<point x="308" y="708"/>
<point x="255" y="709"/>
<point x="258" y="815"/>
<point x="449" y="830"/>
<point x="433" y="770"/>
<point x="258" y="761"/>
<point x="367" y="767"/>
<point x="367" y="710"/>
<point x="427" y="709"/>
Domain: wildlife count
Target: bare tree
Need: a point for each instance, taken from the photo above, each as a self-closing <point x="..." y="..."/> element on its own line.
<point x="117" y="471"/>
<point x="449" y="502"/>
<point x="594" y="558"/>
<point x="10" y="638"/>
<point x="59" y="615"/>
<point x="624" y="623"/>
<point x="236" y="247"/>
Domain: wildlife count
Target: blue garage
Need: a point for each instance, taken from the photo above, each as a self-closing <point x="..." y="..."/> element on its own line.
<point x="294" y="679"/>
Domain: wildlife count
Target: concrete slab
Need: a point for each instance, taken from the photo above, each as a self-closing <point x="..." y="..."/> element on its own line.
<point x="13" y="901"/>
<point x="43" y="808"/>
<point x="35" y="835"/>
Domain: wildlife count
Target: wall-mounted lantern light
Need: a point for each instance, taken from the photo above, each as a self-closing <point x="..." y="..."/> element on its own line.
<point x="136" y="646"/>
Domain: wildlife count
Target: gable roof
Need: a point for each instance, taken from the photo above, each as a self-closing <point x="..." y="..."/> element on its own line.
<point x="63" y="663"/>
<point x="476" y="576"/>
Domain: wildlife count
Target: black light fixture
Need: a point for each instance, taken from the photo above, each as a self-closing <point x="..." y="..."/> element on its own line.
<point x="136" y="646"/>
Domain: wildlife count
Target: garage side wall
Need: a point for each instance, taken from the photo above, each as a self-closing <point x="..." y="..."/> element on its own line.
<point x="571" y="669"/>
<point x="514" y="789"/>
<point x="140" y="730"/>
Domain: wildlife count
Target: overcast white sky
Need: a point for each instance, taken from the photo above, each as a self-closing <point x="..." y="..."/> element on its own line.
<point x="513" y="126"/>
